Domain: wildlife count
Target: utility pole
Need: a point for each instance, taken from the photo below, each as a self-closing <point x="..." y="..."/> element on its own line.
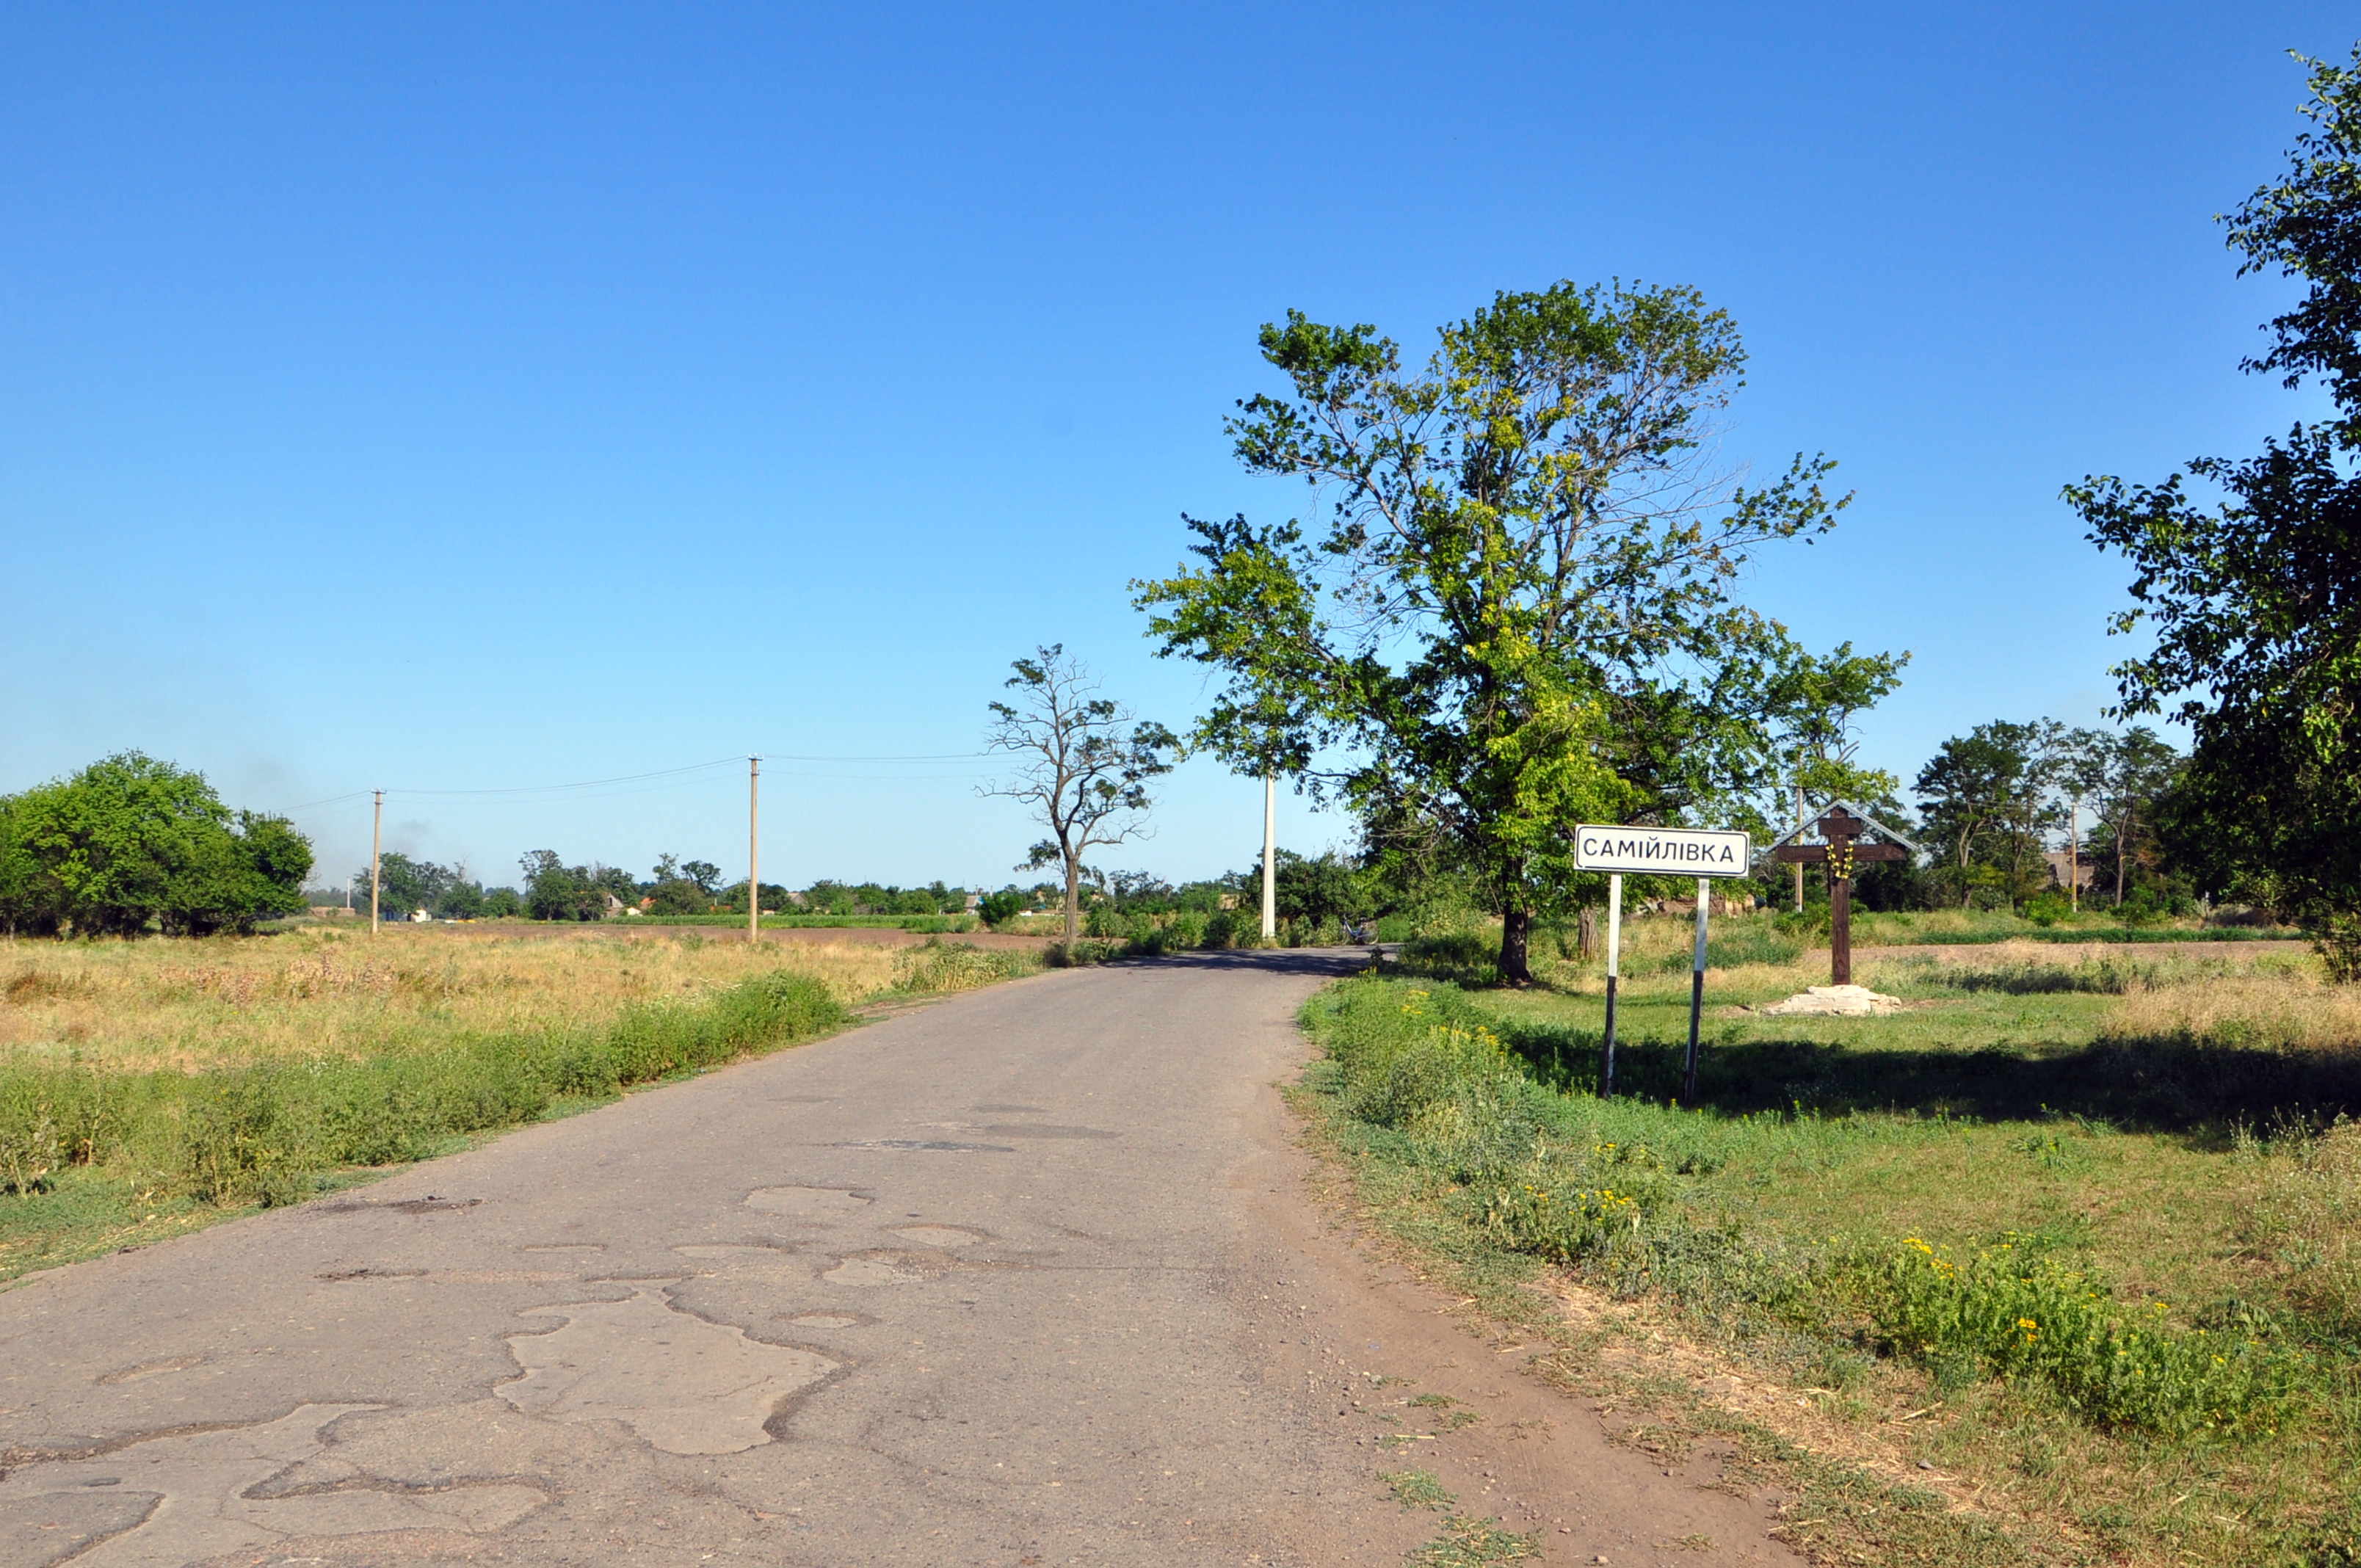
<point x="754" y="850"/>
<point x="2074" y="857"/>
<point x="1270" y="854"/>
<point x="1799" y="822"/>
<point x="377" y="844"/>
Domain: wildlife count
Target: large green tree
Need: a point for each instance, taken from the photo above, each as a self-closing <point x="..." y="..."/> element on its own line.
<point x="1987" y="799"/>
<point x="2253" y="603"/>
<point x="1814" y="706"/>
<point x="132" y="844"/>
<point x="1514" y="613"/>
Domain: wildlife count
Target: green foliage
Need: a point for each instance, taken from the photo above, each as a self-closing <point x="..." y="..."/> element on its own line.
<point x="31" y="1147"/>
<point x="2047" y="908"/>
<point x="1323" y="891"/>
<point x="1468" y="1541"/>
<point x="999" y="908"/>
<point x="1418" y="1488"/>
<point x="2007" y="1314"/>
<point x="1613" y="1188"/>
<point x="130" y="844"/>
<point x="2254" y="626"/>
<point x="1812" y="704"/>
<point x="404" y="884"/>
<point x="555" y="891"/>
<point x="1989" y="801"/>
<point x="959" y="966"/>
<point x="1535" y="523"/>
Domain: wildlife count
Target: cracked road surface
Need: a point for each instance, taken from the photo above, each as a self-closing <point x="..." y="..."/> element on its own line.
<point x="1029" y="1276"/>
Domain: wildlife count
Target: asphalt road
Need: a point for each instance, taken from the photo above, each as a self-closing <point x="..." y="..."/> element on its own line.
<point x="1033" y="1276"/>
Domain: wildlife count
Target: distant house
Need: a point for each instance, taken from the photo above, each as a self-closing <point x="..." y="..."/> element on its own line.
<point x="420" y="917"/>
<point x="2061" y="865"/>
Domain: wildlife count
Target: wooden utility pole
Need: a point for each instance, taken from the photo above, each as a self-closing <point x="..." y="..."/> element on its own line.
<point x="753" y="849"/>
<point x="1270" y="854"/>
<point x="377" y="842"/>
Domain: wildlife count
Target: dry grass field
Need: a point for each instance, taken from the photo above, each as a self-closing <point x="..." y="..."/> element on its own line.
<point x="189" y="1004"/>
<point x="149" y="1086"/>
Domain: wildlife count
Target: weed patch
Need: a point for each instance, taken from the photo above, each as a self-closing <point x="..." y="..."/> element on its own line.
<point x="960" y="966"/>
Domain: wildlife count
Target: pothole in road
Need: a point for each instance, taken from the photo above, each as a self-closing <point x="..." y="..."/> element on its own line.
<point x="153" y="1369"/>
<point x="869" y="1270"/>
<point x="812" y="1203"/>
<point x="345" y="1276"/>
<point x="727" y="1252"/>
<point x="939" y="1236"/>
<point x="199" y="1496"/>
<point x="683" y="1384"/>
<point x="831" y="1321"/>
<point x="934" y="1145"/>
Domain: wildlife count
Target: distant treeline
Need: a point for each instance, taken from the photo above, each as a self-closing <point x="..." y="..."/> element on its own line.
<point x="553" y="890"/>
<point x="1312" y="890"/>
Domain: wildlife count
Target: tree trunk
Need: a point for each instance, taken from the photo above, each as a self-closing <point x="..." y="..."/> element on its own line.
<point x="1516" y="939"/>
<point x="1588" y="934"/>
<point x="1073" y="900"/>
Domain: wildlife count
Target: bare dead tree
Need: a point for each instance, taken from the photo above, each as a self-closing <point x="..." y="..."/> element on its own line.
<point x="1086" y="763"/>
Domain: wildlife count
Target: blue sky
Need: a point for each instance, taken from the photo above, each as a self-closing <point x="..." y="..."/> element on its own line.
<point x="486" y="397"/>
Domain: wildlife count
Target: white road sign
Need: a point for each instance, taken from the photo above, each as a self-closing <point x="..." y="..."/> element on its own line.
<point x="1661" y="852"/>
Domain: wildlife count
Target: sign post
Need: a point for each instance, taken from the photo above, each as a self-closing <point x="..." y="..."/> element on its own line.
<point x="1704" y="853"/>
<point x="1614" y="953"/>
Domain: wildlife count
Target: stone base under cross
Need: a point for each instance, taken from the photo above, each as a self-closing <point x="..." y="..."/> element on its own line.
<point x="1835" y="1002"/>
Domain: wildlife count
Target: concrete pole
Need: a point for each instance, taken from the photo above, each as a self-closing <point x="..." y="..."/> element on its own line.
<point x="2074" y="858"/>
<point x="1270" y="854"/>
<point x="377" y="844"/>
<point x="754" y="850"/>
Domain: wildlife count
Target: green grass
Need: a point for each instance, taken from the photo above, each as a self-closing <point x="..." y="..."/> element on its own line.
<point x="2078" y="1221"/>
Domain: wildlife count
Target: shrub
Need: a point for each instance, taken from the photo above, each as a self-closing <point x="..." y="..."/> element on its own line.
<point x="2047" y="909"/>
<point x="31" y="1147"/>
<point x="960" y="966"/>
<point x="2005" y="1314"/>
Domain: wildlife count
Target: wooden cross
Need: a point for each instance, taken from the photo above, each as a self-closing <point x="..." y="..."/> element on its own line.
<point x="1840" y="828"/>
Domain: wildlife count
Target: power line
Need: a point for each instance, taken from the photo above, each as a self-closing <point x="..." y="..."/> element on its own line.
<point x="659" y="777"/>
